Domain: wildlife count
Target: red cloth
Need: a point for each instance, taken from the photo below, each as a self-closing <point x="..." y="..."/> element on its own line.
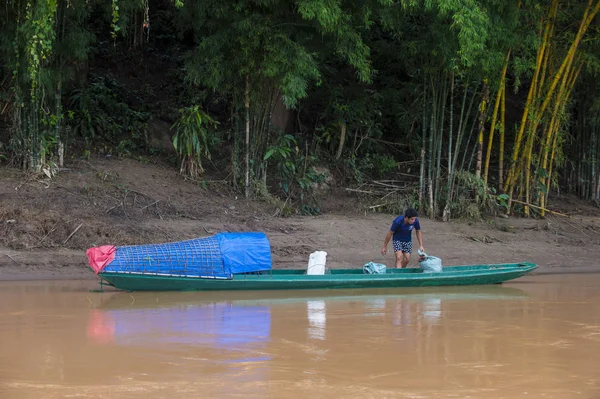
<point x="100" y="257"/>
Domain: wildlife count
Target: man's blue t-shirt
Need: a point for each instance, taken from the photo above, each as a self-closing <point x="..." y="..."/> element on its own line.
<point x="403" y="231"/>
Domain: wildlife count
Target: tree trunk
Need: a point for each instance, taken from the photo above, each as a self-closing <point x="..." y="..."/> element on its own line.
<point x="342" y="140"/>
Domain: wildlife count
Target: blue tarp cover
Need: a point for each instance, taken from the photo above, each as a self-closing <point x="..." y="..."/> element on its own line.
<point x="245" y="252"/>
<point x="220" y="256"/>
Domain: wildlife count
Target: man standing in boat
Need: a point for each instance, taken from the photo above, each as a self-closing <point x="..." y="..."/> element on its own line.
<point x="401" y="230"/>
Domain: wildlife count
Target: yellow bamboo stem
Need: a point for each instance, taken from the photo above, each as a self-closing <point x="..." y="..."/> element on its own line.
<point x="545" y="72"/>
<point x="494" y="119"/>
<point x="588" y="16"/>
<point x="552" y="128"/>
<point x="529" y="151"/>
<point x="548" y="180"/>
<point x="562" y="74"/>
<point x="509" y="184"/>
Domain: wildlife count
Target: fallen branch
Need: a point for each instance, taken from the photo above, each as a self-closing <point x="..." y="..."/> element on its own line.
<point x="388" y="194"/>
<point x="154" y="203"/>
<point x="388" y="185"/>
<point x="359" y="191"/>
<point x="11" y="258"/>
<point x="46" y="236"/>
<point x="73" y="233"/>
<point x="542" y="209"/>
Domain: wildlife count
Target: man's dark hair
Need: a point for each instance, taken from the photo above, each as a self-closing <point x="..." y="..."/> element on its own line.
<point x="411" y="213"/>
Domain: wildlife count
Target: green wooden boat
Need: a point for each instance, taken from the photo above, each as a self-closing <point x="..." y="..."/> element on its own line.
<point x="297" y="279"/>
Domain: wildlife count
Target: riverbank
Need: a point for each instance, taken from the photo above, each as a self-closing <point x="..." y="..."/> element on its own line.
<point x="46" y="225"/>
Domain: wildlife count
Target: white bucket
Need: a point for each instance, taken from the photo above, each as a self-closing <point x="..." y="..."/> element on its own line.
<point x="316" y="263"/>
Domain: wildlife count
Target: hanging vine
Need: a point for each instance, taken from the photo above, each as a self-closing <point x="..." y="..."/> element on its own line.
<point x="114" y="24"/>
<point x="34" y="40"/>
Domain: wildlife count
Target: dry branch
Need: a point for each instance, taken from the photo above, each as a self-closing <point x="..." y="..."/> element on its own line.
<point x="154" y="203"/>
<point x="73" y="233"/>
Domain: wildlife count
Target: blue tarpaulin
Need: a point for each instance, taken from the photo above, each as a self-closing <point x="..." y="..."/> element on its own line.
<point x="245" y="252"/>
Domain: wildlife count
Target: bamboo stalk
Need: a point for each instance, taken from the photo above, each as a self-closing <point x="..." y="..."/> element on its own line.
<point x="451" y="128"/>
<point x="423" y="146"/>
<point x="502" y="131"/>
<point x="556" y="134"/>
<point x="431" y="153"/>
<point x="528" y="154"/>
<point x="247" y="160"/>
<point x="589" y="13"/>
<point x="559" y="104"/>
<point x="588" y="16"/>
<point x="494" y="119"/>
<point x="548" y="26"/>
<point x="482" y="109"/>
<point x="446" y="211"/>
<point x="462" y="126"/>
<point x="439" y="143"/>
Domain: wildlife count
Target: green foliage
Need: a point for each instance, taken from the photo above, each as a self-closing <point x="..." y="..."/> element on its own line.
<point x="473" y="200"/>
<point x="502" y="201"/>
<point x="376" y="165"/>
<point x="366" y="66"/>
<point x="269" y="42"/>
<point x="100" y="115"/>
<point x="294" y="172"/>
<point x="193" y="139"/>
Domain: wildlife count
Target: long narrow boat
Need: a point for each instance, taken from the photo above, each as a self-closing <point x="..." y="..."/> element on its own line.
<point x="242" y="261"/>
<point x="297" y="279"/>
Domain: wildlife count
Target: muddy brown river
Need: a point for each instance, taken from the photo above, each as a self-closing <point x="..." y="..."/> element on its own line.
<point x="538" y="337"/>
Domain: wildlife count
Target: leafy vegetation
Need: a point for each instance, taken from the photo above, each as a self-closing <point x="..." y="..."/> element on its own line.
<point x="193" y="140"/>
<point x="476" y="104"/>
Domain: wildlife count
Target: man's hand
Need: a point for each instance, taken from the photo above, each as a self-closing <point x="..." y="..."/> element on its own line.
<point x="421" y="249"/>
<point x="383" y="250"/>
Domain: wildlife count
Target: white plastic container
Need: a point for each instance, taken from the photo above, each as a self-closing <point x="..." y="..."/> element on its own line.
<point x="316" y="263"/>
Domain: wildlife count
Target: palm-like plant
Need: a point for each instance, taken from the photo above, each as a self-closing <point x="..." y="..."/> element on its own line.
<point x="192" y="139"/>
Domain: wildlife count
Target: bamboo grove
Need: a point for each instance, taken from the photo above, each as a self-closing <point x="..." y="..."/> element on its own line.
<point x="473" y="103"/>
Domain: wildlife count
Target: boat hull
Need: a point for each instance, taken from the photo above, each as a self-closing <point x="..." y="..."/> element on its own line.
<point x="337" y="279"/>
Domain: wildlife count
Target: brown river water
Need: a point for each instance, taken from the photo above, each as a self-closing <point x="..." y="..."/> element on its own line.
<point x="538" y="337"/>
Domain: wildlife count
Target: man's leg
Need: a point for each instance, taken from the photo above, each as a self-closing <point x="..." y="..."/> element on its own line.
<point x="399" y="258"/>
<point x="405" y="259"/>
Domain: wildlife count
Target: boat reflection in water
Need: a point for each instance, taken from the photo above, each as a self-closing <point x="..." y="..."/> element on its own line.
<point x="259" y="337"/>
<point x="235" y="320"/>
<point x="219" y="325"/>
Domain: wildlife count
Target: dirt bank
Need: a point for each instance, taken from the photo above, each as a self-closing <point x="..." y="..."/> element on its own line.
<point x="46" y="225"/>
